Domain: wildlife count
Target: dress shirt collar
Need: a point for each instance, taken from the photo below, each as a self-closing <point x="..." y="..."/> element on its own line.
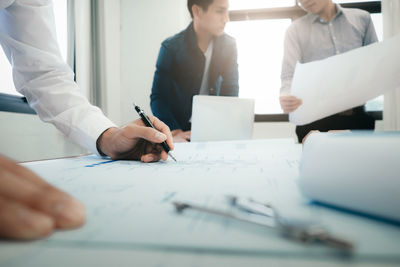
<point x="315" y="18"/>
<point x="192" y="39"/>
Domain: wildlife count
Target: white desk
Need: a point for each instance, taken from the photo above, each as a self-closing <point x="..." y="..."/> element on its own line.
<point x="131" y="221"/>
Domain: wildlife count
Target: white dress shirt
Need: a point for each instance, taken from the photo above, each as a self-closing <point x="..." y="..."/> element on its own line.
<point x="28" y="38"/>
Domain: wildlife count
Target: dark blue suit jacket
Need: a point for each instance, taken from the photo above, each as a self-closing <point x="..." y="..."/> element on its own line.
<point x="179" y="73"/>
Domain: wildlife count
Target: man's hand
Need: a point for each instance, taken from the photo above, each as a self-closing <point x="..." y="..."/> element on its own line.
<point x="289" y="103"/>
<point x="181" y="136"/>
<point x="30" y="207"/>
<point x="136" y="141"/>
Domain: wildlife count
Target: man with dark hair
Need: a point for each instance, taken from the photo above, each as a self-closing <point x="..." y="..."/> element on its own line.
<point x="199" y="60"/>
<point x="201" y="3"/>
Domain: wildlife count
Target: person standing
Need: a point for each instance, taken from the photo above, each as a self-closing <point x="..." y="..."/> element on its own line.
<point x="327" y="30"/>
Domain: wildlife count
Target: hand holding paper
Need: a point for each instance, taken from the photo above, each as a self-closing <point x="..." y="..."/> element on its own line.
<point x="289" y="103"/>
<point x="345" y="81"/>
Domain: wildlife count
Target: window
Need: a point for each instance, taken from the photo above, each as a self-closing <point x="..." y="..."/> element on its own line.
<point x="377" y="103"/>
<point x="259" y="27"/>
<point x="253" y="4"/>
<point x="60" y="11"/>
<point x="260" y="52"/>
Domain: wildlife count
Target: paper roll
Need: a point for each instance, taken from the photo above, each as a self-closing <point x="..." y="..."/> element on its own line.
<point x="356" y="171"/>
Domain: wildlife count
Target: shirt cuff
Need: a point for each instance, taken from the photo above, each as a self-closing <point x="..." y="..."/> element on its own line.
<point x="89" y="130"/>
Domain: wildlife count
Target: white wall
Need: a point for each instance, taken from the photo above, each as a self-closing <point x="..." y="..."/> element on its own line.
<point x="24" y="137"/>
<point x="109" y="63"/>
<point x="144" y="25"/>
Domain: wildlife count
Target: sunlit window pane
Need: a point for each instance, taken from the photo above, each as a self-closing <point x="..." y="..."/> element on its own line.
<point x="6" y="81"/>
<point x="60" y="11"/>
<point x="252" y="4"/>
<point x="377" y="103"/>
<point x="260" y="53"/>
<point x="378" y="23"/>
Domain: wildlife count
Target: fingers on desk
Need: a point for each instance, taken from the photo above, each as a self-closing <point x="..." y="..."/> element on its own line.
<point x="22" y="188"/>
<point x="154" y="153"/>
<point x="150" y="158"/>
<point x="20" y="222"/>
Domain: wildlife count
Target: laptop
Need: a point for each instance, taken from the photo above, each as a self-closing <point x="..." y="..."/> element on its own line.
<point x="220" y="118"/>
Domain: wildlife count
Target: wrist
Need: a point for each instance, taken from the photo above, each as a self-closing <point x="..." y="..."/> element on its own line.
<point x="104" y="142"/>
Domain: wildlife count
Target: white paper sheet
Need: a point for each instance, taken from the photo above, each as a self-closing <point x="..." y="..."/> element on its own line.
<point x="345" y="81"/>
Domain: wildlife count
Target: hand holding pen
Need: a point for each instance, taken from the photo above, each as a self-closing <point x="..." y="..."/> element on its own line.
<point x="136" y="141"/>
<point x="147" y="121"/>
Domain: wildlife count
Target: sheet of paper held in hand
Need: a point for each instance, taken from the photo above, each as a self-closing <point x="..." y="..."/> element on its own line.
<point x="345" y="81"/>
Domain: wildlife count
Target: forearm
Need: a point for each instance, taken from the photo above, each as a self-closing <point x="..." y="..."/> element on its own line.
<point x="285" y="86"/>
<point x="44" y="78"/>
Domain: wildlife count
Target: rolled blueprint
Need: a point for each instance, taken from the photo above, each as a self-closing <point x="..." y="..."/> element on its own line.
<point x="356" y="171"/>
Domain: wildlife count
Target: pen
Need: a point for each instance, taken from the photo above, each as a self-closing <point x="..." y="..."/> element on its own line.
<point x="148" y="123"/>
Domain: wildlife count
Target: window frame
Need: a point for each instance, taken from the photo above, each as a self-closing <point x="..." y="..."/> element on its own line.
<point x="18" y="104"/>
<point x="293" y="13"/>
<point x="15" y="104"/>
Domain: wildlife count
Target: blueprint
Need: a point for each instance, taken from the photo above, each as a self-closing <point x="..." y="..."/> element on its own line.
<point x="129" y="204"/>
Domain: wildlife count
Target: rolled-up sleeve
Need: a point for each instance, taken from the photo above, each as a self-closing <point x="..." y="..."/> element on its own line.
<point x="28" y="37"/>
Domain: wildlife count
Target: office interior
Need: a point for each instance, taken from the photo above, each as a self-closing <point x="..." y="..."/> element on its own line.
<point x="113" y="46"/>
